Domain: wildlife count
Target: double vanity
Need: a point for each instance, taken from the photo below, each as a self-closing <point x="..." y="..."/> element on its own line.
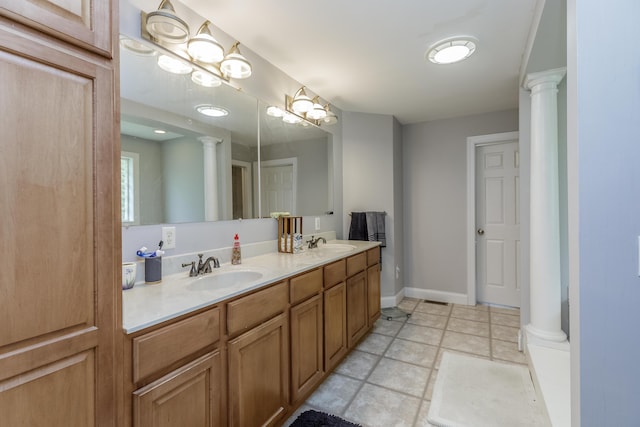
<point x="246" y="344"/>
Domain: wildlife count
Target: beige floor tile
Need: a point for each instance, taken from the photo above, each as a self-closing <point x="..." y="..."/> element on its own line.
<point x="387" y="327"/>
<point x="439" y="309"/>
<point x="421" y="420"/>
<point x="432" y="382"/>
<point x="441" y="351"/>
<point x="468" y="327"/>
<point x="505" y="310"/>
<point x="422" y="334"/>
<point x="400" y="376"/>
<point x="507" y="351"/>
<point x="358" y="364"/>
<point x="470" y="314"/>
<point x="426" y="319"/>
<point x="408" y="304"/>
<point x="479" y="307"/>
<point x="412" y="352"/>
<point x="505" y="320"/>
<point x="466" y="343"/>
<point x="334" y="394"/>
<point x="375" y="343"/>
<point x="375" y="406"/>
<point x="504" y="333"/>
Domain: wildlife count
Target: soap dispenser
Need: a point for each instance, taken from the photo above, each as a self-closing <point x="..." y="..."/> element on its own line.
<point x="236" y="257"/>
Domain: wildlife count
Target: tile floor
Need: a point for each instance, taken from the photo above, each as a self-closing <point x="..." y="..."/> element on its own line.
<point x="388" y="380"/>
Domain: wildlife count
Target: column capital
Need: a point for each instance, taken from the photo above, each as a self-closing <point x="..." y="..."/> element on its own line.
<point x="553" y="76"/>
<point x="209" y="140"/>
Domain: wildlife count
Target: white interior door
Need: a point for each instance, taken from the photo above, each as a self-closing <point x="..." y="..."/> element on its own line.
<point x="497" y="224"/>
<point x="278" y="189"/>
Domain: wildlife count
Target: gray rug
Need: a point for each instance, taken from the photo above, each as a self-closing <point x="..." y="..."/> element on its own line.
<point x="312" y="418"/>
<point x="472" y="392"/>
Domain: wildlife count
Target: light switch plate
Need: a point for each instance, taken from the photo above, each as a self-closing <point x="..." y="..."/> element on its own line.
<point x="317" y="223"/>
<point x="169" y="237"/>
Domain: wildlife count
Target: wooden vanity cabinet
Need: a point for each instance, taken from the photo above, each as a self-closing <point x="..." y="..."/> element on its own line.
<point x="306" y="316"/>
<point x="335" y="313"/>
<point x="357" y="302"/>
<point x="373" y="285"/>
<point x="258" y="359"/>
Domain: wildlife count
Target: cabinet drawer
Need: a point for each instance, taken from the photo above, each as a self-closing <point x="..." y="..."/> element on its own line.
<point x="356" y="263"/>
<point x="253" y="309"/>
<point x="373" y="256"/>
<point x="305" y="285"/>
<point x="335" y="273"/>
<point x="159" y="349"/>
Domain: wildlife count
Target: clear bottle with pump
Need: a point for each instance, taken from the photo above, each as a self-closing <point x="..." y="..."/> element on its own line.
<point x="236" y="256"/>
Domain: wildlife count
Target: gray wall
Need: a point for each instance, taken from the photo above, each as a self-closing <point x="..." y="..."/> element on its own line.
<point x="183" y="167"/>
<point x="435" y="201"/>
<point x="369" y="180"/>
<point x="398" y="207"/>
<point x="603" y="106"/>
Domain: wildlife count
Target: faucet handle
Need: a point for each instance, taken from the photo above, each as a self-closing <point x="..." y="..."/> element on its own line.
<point x="193" y="272"/>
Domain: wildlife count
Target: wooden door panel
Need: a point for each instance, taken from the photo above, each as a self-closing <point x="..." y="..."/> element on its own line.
<point x="86" y="23"/>
<point x="373" y="293"/>
<point x="335" y="325"/>
<point x="306" y="346"/>
<point x="60" y="394"/>
<point x="356" y="308"/>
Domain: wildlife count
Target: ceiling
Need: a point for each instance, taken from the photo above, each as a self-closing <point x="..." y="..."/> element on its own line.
<point x="368" y="56"/>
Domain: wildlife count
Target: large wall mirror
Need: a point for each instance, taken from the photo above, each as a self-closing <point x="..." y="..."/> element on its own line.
<point x="180" y="165"/>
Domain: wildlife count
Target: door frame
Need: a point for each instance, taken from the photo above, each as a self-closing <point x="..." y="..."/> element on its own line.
<point x="290" y="161"/>
<point x="472" y="143"/>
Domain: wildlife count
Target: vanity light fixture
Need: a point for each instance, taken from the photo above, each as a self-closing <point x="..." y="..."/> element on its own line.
<point x="301" y="103"/>
<point x="203" y="47"/>
<point x="331" y="118"/>
<point x="274" y="111"/>
<point x="451" y="50"/>
<point x="317" y="112"/>
<point x="205" y="79"/>
<point x="173" y="65"/>
<point x="291" y="118"/>
<point x="165" y="25"/>
<point x="235" y="65"/>
<point x="136" y="47"/>
<point x="211" y="110"/>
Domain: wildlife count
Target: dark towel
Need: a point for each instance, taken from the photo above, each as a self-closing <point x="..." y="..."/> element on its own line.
<point x="358" y="229"/>
<point x="375" y="227"/>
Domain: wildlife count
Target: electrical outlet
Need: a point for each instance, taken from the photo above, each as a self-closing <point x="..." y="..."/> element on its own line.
<point x="317" y="223"/>
<point x="169" y="237"/>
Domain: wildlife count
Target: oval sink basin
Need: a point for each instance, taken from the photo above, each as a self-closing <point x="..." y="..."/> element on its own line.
<point x="223" y="280"/>
<point x="336" y="247"/>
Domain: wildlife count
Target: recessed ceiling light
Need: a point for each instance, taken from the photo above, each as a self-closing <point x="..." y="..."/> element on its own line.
<point x="159" y="131"/>
<point x="205" y="79"/>
<point x="136" y="47"/>
<point x="173" y="65"/>
<point x="211" y="110"/>
<point x="451" y="50"/>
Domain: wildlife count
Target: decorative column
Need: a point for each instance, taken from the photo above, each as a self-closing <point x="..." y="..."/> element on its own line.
<point x="211" y="204"/>
<point x="545" y="284"/>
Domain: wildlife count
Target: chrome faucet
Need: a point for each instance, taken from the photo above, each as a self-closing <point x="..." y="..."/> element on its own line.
<point x="314" y="243"/>
<point x="203" y="267"/>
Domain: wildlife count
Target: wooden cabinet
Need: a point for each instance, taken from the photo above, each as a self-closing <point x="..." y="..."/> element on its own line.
<point x="335" y="325"/>
<point x="59" y="153"/>
<point x="306" y="347"/>
<point x="259" y="375"/>
<point x="86" y="23"/>
<point x="373" y="293"/>
<point x="188" y="396"/>
<point x="357" y="300"/>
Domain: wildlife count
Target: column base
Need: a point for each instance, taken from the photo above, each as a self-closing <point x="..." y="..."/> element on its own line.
<point x="539" y="336"/>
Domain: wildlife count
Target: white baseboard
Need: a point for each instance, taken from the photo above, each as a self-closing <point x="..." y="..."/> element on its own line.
<point x="434" y="295"/>
<point x="392" y="301"/>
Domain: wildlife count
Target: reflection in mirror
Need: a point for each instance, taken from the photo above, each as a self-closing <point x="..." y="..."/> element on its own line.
<point x="296" y="167"/>
<point x="180" y="161"/>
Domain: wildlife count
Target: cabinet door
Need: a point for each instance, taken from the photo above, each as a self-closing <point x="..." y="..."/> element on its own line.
<point x="373" y="293"/>
<point x="306" y="346"/>
<point x="189" y="396"/>
<point x="59" y="307"/>
<point x="357" y="320"/>
<point x="86" y="23"/>
<point x="335" y="325"/>
<point x="259" y="375"/>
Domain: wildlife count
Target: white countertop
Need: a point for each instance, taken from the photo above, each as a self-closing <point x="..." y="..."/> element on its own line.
<point x="147" y="305"/>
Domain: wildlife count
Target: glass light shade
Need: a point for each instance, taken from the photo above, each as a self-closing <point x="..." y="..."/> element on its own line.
<point x="165" y="25"/>
<point x="274" y="111"/>
<point x="205" y="79"/>
<point x="136" y="47"/>
<point x="317" y="112"/>
<point x="235" y="65"/>
<point x="204" y="48"/>
<point x="173" y="65"/>
<point x="211" y="110"/>
<point x="330" y="119"/>
<point x="450" y="51"/>
<point x="290" y="118"/>
<point x="301" y="102"/>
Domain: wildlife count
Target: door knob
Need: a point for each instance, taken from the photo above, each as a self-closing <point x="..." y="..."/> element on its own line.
<point x="480" y="231"/>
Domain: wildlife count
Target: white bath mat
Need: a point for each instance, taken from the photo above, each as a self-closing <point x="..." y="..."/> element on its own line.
<point x="472" y="392"/>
